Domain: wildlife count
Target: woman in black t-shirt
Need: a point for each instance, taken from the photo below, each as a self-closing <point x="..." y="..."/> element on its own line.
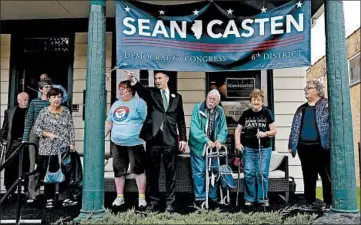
<point x="256" y="122"/>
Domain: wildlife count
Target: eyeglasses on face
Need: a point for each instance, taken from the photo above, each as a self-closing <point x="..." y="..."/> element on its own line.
<point x="47" y="86"/>
<point x="308" y="88"/>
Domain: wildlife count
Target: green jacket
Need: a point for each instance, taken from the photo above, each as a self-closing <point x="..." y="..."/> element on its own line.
<point x="198" y="128"/>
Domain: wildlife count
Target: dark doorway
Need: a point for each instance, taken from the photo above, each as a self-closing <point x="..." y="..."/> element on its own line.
<point x="44" y="54"/>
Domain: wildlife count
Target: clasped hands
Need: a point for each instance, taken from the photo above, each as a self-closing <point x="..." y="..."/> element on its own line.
<point x="216" y="144"/>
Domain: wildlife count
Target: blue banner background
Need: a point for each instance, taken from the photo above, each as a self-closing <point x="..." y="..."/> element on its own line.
<point x="209" y="54"/>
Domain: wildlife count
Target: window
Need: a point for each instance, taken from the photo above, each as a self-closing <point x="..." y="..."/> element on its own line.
<point x="354" y="69"/>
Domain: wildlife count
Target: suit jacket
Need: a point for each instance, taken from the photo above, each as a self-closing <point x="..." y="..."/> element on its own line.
<point x="7" y="126"/>
<point x="172" y="119"/>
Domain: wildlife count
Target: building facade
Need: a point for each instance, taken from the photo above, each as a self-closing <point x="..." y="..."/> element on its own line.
<point x="55" y="41"/>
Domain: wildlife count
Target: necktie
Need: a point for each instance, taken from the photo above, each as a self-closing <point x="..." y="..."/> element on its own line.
<point x="165" y="102"/>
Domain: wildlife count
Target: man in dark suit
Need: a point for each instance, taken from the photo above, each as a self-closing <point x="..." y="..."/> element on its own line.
<point x="11" y="134"/>
<point x="165" y="114"/>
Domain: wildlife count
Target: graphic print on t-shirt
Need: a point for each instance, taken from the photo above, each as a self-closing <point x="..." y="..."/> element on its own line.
<point x="121" y="113"/>
<point x="251" y="122"/>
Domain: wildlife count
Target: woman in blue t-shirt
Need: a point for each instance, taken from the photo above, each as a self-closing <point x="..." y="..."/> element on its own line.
<point x="256" y="123"/>
<point x="125" y="120"/>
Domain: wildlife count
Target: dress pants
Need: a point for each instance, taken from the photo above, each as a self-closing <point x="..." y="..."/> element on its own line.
<point x="315" y="160"/>
<point x="12" y="168"/>
<point x="157" y="150"/>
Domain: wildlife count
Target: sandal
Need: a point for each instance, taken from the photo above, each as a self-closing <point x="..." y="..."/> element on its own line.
<point x="49" y="204"/>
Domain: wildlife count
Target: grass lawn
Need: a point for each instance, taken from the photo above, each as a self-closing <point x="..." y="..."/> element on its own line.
<point x="202" y="217"/>
<point x="319" y="195"/>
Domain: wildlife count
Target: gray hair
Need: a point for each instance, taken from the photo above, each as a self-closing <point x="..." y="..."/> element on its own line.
<point x="319" y="87"/>
<point x="214" y="92"/>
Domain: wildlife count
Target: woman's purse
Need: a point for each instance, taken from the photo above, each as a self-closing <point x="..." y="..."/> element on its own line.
<point x="56" y="177"/>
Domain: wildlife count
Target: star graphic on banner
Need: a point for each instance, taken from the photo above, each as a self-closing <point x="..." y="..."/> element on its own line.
<point x="161" y="12"/>
<point x="264" y="9"/>
<point x="127" y="9"/>
<point x="195" y="12"/>
<point x="299" y="4"/>
<point x="230" y="11"/>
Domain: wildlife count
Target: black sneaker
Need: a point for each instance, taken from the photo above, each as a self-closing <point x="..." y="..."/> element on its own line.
<point x="326" y="207"/>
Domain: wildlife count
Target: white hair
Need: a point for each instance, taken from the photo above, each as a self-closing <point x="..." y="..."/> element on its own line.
<point x="215" y="92"/>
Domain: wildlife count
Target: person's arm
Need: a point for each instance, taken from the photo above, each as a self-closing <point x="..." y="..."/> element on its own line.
<point x="273" y="131"/>
<point x="195" y="128"/>
<point x="109" y="121"/>
<point x="71" y="129"/>
<point x="181" y="123"/>
<point x="237" y="133"/>
<point x="143" y="92"/>
<point x="39" y="126"/>
<point x="143" y="110"/>
<point x="5" y="128"/>
<point x="29" y="121"/>
<point x="108" y="127"/>
<point x="293" y="130"/>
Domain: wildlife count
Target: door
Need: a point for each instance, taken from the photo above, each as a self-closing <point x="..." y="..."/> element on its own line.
<point x="52" y="55"/>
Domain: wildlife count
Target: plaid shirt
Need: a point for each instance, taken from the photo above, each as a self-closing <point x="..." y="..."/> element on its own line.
<point x="211" y="118"/>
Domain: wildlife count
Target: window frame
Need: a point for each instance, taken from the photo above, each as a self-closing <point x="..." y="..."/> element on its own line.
<point x="349" y="70"/>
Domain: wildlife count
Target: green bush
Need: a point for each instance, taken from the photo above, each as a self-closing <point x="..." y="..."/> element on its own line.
<point x="201" y="217"/>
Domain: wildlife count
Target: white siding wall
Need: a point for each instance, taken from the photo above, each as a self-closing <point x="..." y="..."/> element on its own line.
<point x="79" y="78"/>
<point x="192" y="87"/>
<point x="4" y="79"/>
<point x="288" y="96"/>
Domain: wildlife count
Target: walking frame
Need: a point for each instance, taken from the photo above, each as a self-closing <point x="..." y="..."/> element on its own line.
<point x="213" y="172"/>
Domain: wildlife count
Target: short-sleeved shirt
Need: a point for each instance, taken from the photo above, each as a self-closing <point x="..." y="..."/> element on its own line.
<point x="249" y="121"/>
<point x="127" y="118"/>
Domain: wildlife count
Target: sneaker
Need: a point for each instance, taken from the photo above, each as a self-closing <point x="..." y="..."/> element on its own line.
<point x="30" y="200"/>
<point x="118" y="202"/>
<point x="142" y="203"/>
<point x="49" y="204"/>
<point x="265" y="203"/>
<point x="248" y="203"/>
<point x="68" y="202"/>
<point x="326" y="207"/>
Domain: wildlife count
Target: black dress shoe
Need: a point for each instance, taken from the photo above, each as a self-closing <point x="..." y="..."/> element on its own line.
<point x="169" y="209"/>
<point x="152" y="208"/>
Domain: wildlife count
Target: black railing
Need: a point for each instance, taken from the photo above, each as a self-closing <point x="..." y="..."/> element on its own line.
<point x="21" y="178"/>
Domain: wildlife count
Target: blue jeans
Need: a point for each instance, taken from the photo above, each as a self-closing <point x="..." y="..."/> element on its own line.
<point x="199" y="178"/>
<point x="252" y="174"/>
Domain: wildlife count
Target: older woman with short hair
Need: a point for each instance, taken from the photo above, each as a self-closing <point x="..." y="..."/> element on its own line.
<point x="310" y="137"/>
<point x="55" y="128"/>
<point x="257" y="126"/>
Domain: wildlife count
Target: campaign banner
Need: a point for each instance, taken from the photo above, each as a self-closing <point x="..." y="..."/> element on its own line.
<point x="213" y="36"/>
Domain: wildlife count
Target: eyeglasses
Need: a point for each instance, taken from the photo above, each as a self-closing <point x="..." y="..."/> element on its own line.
<point x="308" y="88"/>
<point x="47" y="86"/>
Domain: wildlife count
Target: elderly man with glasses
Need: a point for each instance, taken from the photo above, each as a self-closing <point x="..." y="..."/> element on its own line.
<point x="208" y="127"/>
<point x="310" y="137"/>
<point x="29" y="135"/>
